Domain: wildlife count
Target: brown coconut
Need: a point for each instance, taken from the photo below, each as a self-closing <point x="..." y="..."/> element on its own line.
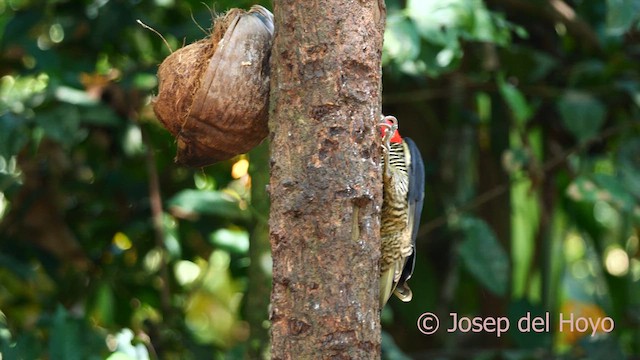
<point x="213" y="94"/>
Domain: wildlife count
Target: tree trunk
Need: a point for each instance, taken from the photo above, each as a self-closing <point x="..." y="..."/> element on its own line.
<point x="325" y="179"/>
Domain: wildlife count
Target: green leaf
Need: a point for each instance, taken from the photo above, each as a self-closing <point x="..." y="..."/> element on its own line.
<point x="125" y="349"/>
<point x="621" y="15"/>
<point x="72" y="338"/>
<point x="104" y="305"/>
<point x="25" y="346"/>
<point x="390" y="350"/>
<point x="445" y="21"/>
<point x="120" y="356"/>
<point x="99" y="114"/>
<point x="583" y="189"/>
<point x="233" y="240"/>
<point x="24" y="271"/>
<point x="590" y="72"/>
<point x="434" y="19"/>
<point x="18" y="27"/>
<point x="518" y="104"/>
<point x="632" y="88"/>
<point x="73" y="96"/>
<point x="401" y="41"/>
<point x="441" y="25"/>
<point x="601" y="187"/>
<point x="189" y="203"/>
<point x="62" y="124"/>
<point x="601" y="347"/>
<point x="14" y="134"/>
<point x="64" y="342"/>
<point x="581" y="114"/>
<point x="171" y="237"/>
<point x="614" y="191"/>
<point x="515" y="159"/>
<point x="490" y="27"/>
<point x="483" y="256"/>
<point x="629" y="165"/>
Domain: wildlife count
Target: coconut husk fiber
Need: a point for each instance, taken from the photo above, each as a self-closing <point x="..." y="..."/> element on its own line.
<point x="213" y="94"/>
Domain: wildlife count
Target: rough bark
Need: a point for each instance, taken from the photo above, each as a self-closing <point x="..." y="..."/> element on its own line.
<point x="325" y="179"/>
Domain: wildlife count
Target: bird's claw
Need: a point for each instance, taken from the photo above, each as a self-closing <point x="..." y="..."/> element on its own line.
<point x="391" y="129"/>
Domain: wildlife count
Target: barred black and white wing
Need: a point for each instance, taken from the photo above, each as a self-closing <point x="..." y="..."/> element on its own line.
<point x="415" y="200"/>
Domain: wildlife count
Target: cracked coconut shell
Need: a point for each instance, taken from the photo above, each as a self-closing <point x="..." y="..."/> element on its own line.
<point x="213" y="94"/>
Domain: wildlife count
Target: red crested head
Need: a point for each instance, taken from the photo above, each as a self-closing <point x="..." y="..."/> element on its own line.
<point x="395" y="138"/>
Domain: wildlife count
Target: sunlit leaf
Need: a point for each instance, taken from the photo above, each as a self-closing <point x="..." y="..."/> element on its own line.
<point x="234" y="240"/>
<point x="401" y="41"/>
<point x="5" y="332"/>
<point x="518" y="104"/>
<point x="426" y="38"/>
<point x="186" y="272"/>
<point x="104" y="305"/>
<point x="483" y="256"/>
<point x="171" y="237"/>
<point x="19" y="92"/>
<point x="73" y="96"/>
<point x="582" y="114"/>
<point x="145" y="81"/>
<point x="446" y="20"/>
<point x="132" y="141"/>
<point x="435" y="18"/>
<point x="240" y="168"/>
<point x="189" y="203"/>
<point x="125" y="349"/>
<point x="120" y="356"/>
<point x="212" y="312"/>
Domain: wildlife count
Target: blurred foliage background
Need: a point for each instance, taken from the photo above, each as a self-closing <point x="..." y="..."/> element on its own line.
<point x="527" y="114"/>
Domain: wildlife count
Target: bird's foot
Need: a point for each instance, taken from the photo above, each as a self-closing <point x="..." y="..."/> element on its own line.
<point x="391" y="125"/>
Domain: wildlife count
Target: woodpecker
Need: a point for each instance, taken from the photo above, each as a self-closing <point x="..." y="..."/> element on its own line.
<point x="403" y="197"/>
